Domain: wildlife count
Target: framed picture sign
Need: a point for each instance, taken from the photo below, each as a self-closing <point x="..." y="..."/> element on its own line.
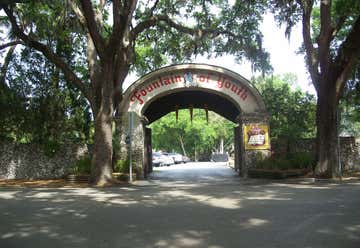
<point x="256" y="137"/>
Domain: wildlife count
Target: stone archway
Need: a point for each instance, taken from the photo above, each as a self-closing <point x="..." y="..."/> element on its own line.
<point x="220" y="90"/>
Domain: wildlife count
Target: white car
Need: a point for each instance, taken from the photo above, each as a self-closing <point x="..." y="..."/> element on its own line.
<point x="178" y="158"/>
<point x="159" y="159"/>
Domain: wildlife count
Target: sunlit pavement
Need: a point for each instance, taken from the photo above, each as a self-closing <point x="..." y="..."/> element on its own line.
<point x="191" y="205"/>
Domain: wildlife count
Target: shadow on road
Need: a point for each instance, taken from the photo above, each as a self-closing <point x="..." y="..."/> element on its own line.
<point x="183" y="213"/>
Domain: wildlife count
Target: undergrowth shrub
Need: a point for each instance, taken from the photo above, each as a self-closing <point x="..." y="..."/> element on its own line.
<point x="299" y="160"/>
<point x="122" y="166"/>
<point x="82" y="166"/>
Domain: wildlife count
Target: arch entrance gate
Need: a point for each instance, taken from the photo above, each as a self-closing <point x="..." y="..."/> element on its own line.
<point x="199" y="86"/>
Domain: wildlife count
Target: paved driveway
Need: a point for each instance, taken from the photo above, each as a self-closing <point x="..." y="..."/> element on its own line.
<point x="193" y="205"/>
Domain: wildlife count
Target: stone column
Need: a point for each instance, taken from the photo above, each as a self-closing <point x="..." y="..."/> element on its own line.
<point x="237" y="148"/>
<point x="123" y="132"/>
<point x="254" y="140"/>
<point x="147" y="152"/>
<point x="137" y="144"/>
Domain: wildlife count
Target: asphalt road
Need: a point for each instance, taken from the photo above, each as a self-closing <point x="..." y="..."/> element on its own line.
<point x="192" y="205"/>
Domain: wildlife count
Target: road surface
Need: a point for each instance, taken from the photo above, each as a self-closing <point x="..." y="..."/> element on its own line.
<point x="191" y="205"/>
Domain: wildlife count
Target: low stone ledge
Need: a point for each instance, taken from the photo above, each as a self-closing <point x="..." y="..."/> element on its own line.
<point x="276" y="174"/>
<point x="77" y="178"/>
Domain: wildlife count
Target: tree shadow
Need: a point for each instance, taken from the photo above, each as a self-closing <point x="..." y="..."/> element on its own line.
<point x="183" y="214"/>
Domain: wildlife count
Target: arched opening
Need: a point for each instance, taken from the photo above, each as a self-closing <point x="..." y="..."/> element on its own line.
<point x="195" y="98"/>
<point x="197" y="86"/>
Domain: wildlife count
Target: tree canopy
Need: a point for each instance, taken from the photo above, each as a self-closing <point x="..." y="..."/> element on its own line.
<point x="292" y="111"/>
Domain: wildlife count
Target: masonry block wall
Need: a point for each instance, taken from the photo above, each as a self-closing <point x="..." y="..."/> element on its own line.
<point x="349" y="150"/>
<point x="29" y="161"/>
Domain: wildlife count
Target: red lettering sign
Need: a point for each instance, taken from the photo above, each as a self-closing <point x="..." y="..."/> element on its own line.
<point x="221" y="83"/>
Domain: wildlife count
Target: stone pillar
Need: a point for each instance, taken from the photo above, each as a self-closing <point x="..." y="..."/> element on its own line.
<point x="124" y="129"/>
<point x="237" y="148"/>
<point x="147" y="152"/>
<point x="137" y="144"/>
<point x="254" y="140"/>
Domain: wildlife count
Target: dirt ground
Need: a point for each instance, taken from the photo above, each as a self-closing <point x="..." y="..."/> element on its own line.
<point x="63" y="183"/>
<point x="51" y="183"/>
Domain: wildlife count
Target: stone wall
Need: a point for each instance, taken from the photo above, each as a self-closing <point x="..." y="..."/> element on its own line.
<point x="349" y="150"/>
<point x="29" y="161"/>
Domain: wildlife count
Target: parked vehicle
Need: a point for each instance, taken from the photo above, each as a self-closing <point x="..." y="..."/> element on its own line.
<point x="185" y="159"/>
<point x="156" y="159"/>
<point x="160" y="159"/>
<point x="178" y="158"/>
<point x="167" y="160"/>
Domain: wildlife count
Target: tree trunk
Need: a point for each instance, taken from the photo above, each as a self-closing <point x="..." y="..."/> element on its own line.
<point x="222" y="145"/>
<point x="101" y="171"/>
<point x="117" y="140"/>
<point x="182" y="145"/>
<point x="327" y="132"/>
<point x="195" y="153"/>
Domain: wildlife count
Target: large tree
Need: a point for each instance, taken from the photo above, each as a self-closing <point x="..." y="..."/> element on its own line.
<point x="119" y="34"/>
<point x="331" y="38"/>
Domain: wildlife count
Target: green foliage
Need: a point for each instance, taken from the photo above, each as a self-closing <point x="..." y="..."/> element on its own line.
<point x="82" y="166"/>
<point x="344" y="12"/>
<point x="12" y="108"/>
<point x="349" y="108"/>
<point x="300" y="160"/>
<point x="188" y="137"/>
<point x="236" y="27"/>
<point x="51" y="147"/>
<point x="38" y="104"/>
<point x="292" y="112"/>
<point x="122" y="166"/>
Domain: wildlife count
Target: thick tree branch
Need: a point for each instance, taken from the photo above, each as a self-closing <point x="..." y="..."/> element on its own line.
<point x="116" y="14"/>
<point x="58" y="61"/>
<point x="199" y="33"/>
<point x="77" y="12"/>
<point x="120" y="44"/>
<point x="339" y="24"/>
<point x="120" y="34"/>
<point x="12" y="43"/>
<point x="90" y="48"/>
<point x="114" y="41"/>
<point x="154" y="7"/>
<point x="325" y="37"/>
<point x="127" y="15"/>
<point x="13" y="1"/>
<point x="5" y="66"/>
<point x="155" y="20"/>
<point x="311" y="55"/>
<point x="349" y="53"/>
<point x="3" y="3"/>
<point x="91" y="58"/>
<point x="91" y="24"/>
<point x="99" y="12"/>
